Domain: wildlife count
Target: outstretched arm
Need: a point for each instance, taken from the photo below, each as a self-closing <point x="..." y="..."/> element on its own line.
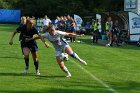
<point x="73" y="35"/>
<point x="11" y="38"/>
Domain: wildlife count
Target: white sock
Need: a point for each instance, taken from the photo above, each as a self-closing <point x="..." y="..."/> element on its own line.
<point x="77" y="57"/>
<point x="65" y="70"/>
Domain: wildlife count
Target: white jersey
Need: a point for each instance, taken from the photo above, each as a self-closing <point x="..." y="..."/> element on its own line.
<point x="57" y="41"/>
<point x="46" y="22"/>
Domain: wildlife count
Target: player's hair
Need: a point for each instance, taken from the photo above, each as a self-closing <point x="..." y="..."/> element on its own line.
<point x="30" y="20"/>
<point x="49" y="26"/>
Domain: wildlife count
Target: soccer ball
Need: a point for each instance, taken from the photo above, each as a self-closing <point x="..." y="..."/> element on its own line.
<point x="107" y="45"/>
<point x="64" y="56"/>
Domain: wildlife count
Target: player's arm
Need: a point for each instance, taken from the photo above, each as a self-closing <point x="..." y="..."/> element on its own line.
<point x="38" y="36"/>
<point x="43" y="40"/>
<point x="73" y="35"/>
<point x="35" y="36"/>
<point x="12" y="36"/>
<point x="69" y="34"/>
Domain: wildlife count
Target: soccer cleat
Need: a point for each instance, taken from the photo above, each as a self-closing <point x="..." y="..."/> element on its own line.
<point x="37" y="73"/>
<point x="68" y="75"/>
<point x="83" y="62"/>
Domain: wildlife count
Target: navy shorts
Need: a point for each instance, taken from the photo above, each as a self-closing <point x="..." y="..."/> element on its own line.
<point x="33" y="48"/>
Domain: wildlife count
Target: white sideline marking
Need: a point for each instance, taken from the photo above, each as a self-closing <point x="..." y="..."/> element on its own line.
<point x="95" y="78"/>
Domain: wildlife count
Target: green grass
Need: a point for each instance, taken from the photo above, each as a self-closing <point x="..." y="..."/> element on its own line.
<point x="118" y="67"/>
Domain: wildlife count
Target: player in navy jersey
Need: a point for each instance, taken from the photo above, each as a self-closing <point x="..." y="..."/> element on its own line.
<point x="23" y="22"/>
<point x="28" y="31"/>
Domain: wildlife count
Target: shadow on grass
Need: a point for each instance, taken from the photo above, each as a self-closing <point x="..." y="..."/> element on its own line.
<point x="49" y="76"/>
<point x="126" y="86"/>
<point x="5" y="57"/>
<point x="30" y="74"/>
<point x="58" y="90"/>
<point x="7" y="44"/>
<point x="16" y="74"/>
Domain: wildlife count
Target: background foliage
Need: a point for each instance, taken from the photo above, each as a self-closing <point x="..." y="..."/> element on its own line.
<point x="39" y="8"/>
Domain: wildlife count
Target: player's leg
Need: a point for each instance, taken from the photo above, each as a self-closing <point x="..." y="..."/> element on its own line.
<point x="111" y="39"/>
<point x="94" y="37"/>
<point x="34" y="52"/>
<point x="36" y="62"/>
<point x="62" y="65"/>
<point x="116" y="40"/>
<point x="97" y="36"/>
<point x="26" y="52"/>
<point x="21" y="49"/>
<point x="108" y="35"/>
<point x="70" y="52"/>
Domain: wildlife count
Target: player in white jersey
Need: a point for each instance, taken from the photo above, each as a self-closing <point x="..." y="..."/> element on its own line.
<point x="55" y="37"/>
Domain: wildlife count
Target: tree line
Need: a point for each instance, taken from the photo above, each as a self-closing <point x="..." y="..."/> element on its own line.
<point x="62" y="7"/>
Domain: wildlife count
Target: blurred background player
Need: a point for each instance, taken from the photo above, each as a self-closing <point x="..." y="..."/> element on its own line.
<point x="46" y="21"/>
<point x="96" y="31"/>
<point x="114" y="33"/>
<point x="23" y="22"/>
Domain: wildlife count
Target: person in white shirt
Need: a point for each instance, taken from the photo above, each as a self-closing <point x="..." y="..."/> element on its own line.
<point x="46" y="21"/>
<point x="55" y="37"/>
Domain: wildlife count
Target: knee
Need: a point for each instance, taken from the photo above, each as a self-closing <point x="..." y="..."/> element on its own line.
<point x="61" y="66"/>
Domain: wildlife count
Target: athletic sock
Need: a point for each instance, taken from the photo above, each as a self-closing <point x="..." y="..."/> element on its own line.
<point x="74" y="55"/>
<point x="36" y="64"/>
<point x="65" y="70"/>
<point x="26" y="62"/>
<point x="111" y="43"/>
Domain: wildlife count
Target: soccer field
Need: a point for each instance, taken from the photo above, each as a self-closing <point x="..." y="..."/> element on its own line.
<point x="109" y="69"/>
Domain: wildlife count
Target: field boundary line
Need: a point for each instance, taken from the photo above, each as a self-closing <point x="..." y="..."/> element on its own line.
<point x="95" y="78"/>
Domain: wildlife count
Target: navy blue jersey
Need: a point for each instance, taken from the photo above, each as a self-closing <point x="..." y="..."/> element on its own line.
<point x="27" y="34"/>
<point x="21" y="35"/>
<point x="115" y="29"/>
<point x="62" y="27"/>
<point x="68" y="22"/>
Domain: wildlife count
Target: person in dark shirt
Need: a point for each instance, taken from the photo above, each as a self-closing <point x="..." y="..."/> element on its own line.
<point x="28" y="31"/>
<point x="114" y="34"/>
<point x="23" y="22"/>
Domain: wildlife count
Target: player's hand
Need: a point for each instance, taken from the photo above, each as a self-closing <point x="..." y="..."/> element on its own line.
<point x="27" y="39"/>
<point x="46" y="44"/>
<point x="82" y="34"/>
<point x="11" y="42"/>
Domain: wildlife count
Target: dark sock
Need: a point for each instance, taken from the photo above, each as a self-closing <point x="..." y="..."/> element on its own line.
<point x="36" y="63"/>
<point x="72" y="55"/>
<point x="27" y="62"/>
<point x="111" y="42"/>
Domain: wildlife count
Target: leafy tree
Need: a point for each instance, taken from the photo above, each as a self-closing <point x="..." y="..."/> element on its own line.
<point x="62" y="7"/>
<point x="4" y="4"/>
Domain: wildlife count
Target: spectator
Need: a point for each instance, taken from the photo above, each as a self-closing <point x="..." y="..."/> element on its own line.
<point x="114" y="34"/>
<point x="96" y="31"/>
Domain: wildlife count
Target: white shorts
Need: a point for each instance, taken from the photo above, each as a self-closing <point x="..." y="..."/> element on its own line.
<point x="58" y="52"/>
